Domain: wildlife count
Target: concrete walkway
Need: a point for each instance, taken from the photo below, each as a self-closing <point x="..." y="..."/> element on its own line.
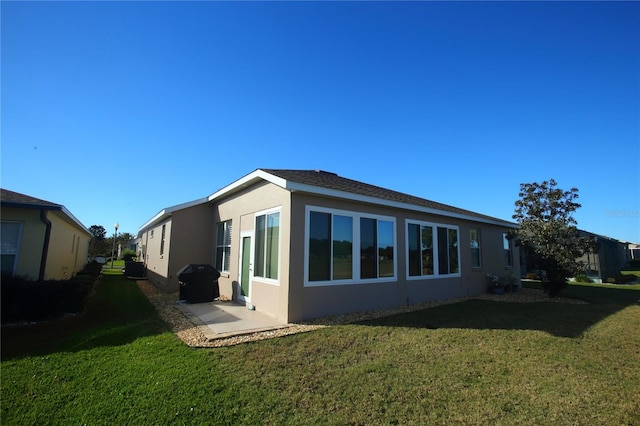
<point x="218" y="319"/>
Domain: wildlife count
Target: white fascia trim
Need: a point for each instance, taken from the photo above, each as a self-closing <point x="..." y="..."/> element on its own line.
<point x="76" y="220"/>
<point x="164" y="213"/>
<point x="248" y="180"/>
<point x="292" y="186"/>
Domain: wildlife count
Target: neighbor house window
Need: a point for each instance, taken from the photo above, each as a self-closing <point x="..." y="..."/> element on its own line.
<point x="432" y="249"/>
<point x="162" y="240"/>
<point x="474" y="237"/>
<point x="223" y="246"/>
<point x="336" y="239"/>
<point x="506" y="244"/>
<point x="267" y="245"/>
<point x="10" y="246"/>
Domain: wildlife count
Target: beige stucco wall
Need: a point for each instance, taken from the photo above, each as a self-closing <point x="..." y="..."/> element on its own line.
<point x="68" y="248"/>
<point x="157" y="264"/>
<point x="317" y="301"/>
<point x="192" y="240"/>
<point x="68" y="244"/>
<point x="241" y="208"/>
<point x="189" y="238"/>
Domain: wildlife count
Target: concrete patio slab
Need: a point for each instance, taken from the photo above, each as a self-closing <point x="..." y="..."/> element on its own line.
<point x="220" y="319"/>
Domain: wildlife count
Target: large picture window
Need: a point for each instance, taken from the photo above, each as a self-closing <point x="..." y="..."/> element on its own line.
<point x="345" y="246"/>
<point x="223" y="246"/>
<point x="432" y="250"/>
<point x="267" y="245"/>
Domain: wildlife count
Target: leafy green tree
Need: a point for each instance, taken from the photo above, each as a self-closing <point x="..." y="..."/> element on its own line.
<point x="548" y="232"/>
<point x="97" y="243"/>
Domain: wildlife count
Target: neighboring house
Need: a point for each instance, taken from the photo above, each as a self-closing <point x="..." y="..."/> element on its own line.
<point x="634" y="251"/>
<point x="612" y="256"/>
<point x="40" y="240"/>
<point x="301" y="244"/>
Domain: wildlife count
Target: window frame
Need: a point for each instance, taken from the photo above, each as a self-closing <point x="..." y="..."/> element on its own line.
<point x="355" y="248"/>
<point x="508" y="250"/>
<point x="266" y="214"/>
<point x="162" y="237"/>
<point x="16" y="254"/>
<point x="227" y="237"/>
<point x="479" y="247"/>
<point x="435" y="249"/>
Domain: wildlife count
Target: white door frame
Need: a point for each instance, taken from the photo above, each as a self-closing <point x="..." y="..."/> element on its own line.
<point x="243" y="235"/>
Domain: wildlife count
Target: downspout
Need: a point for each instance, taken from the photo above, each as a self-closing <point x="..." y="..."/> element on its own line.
<point x="45" y="248"/>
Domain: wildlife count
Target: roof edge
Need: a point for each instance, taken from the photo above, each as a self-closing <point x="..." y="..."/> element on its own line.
<point x="168" y="211"/>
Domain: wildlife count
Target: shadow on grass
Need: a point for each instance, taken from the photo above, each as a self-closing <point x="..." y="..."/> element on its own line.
<point x="558" y="319"/>
<point x="116" y="314"/>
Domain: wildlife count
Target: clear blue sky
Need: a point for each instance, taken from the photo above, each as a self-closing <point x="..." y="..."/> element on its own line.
<point x="119" y="109"/>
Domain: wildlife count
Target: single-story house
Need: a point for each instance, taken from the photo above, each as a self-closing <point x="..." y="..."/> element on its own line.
<point x="40" y="239"/>
<point x="302" y="244"/>
<point x="611" y="257"/>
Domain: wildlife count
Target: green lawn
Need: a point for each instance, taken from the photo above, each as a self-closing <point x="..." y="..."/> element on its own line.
<point x="475" y="362"/>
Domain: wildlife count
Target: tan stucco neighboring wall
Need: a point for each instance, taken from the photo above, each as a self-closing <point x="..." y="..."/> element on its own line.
<point x="189" y="238"/>
<point x="310" y="302"/>
<point x="68" y="248"/>
<point x="33" y="231"/>
<point x="157" y="264"/>
<point x="68" y="244"/>
<point x="241" y="209"/>
<point x="192" y="240"/>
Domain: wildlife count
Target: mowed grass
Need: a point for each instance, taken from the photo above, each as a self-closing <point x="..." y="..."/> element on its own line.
<point x="475" y="362"/>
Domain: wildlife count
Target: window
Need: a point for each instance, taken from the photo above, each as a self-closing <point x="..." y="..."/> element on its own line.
<point x="267" y="245"/>
<point x="10" y="245"/>
<point x="474" y="237"/>
<point x="162" y="240"/>
<point x="223" y="246"/>
<point x="377" y="248"/>
<point x="335" y="237"/>
<point x="330" y="247"/>
<point x="506" y="244"/>
<point x="432" y="249"/>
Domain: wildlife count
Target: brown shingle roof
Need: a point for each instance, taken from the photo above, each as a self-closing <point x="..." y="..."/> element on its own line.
<point x="15" y="198"/>
<point x="332" y="181"/>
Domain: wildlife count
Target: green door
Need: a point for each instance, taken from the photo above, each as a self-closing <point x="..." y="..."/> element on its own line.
<point x="246" y="266"/>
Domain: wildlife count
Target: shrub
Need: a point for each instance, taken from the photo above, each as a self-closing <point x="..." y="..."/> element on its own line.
<point x="91" y="268"/>
<point x="621" y="279"/>
<point x="624" y="279"/>
<point x="26" y="300"/>
<point x="582" y="279"/>
<point x="128" y="255"/>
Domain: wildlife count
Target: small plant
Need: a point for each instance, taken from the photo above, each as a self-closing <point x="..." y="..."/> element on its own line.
<point x="582" y="279"/>
<point x="493" y="281"/>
